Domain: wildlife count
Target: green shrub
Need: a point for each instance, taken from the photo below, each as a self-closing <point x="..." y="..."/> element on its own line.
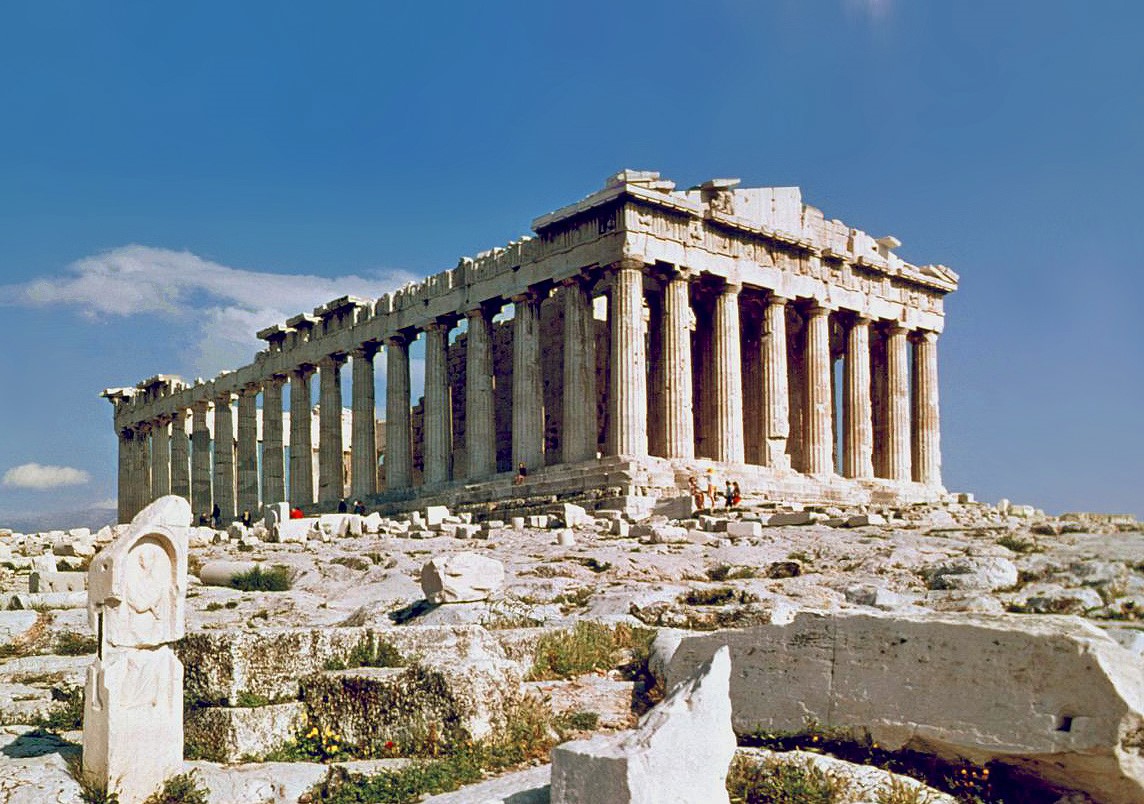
<point x="367" y="653"/>
<point x="181" y="789"/>
<point x="275" y="579"/>
<point x="898" y="792"/>
<point x="777" y="781"/>
<point x="71" y="643"/>
<point x="68" y="714"/>
<point x="729" y="572"/>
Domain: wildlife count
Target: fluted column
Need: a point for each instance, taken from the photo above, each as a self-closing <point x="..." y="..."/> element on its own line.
<point x="679" y="412"/>
<point x="180" y="456"/>
<point x="161" y="458"/>
<point x="857" y="425"/>
<point x="248" y="449"/>
<point x="819" y="413"/>
<point x="141" y="472"/>
<point x="301" y="439"/>
<point x="273" y="456"/>
<point x="728" y="377"/>
<point x="627" y="398"/>
<point x="201" y="497"/>
<point x="123" y="500"/>
<point x="927" y="417"/>
<point x="331" y="471"/>
<point x="898" y="404"/>
<point x="438" y="407"/>
<point x="363" y="450"/>
<point x="578" y="441"/>
<point x="398" y="432"/>
<point x="527" y="384"/>
<point x="480" y="419"/>
<point x="224" y="457"/>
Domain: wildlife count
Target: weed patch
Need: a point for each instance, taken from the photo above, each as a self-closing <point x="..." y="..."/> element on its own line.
<point x="367" y="653"/>
<point x="729" y="572"/>
<point x="72" y="643"/>
<point x="775" y="781"/>
<point x="67" y="715"/>
<point x="275" y="579"/>
<point x="181" y="789"/>
<point x="720" y="596"/>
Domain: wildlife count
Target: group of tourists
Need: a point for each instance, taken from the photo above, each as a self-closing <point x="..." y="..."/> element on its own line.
<point x="706" y="495"/>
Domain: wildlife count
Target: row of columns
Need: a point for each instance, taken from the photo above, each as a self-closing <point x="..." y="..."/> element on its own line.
<point x="881" y="402"/>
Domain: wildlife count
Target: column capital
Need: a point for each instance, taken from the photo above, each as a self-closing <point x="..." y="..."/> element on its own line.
<point x="223" y="398"/>
<point x="626" y="264"/>
<point x="860" y="319"/>
<point x="731" y="287"/>
<point x="926" y="335"/>
<point x="894" y="326"/>
<point x="331" y="360"/>
<point x="777" y="299"/>
<point x="398" y="340"/>
<point x="533" y="293"/>
<point x="817" y="308"/>
<point x="302" y="372"/>
<point x="443" y="323"/>
<point x="250" y="389"/>
<point x="200" y="405"/>
<point x="365" y="350"/>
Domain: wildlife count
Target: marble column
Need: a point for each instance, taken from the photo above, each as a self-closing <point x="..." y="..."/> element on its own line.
<point x="161" y="458"/>
<point x="819" y="412"/>
<point x="527" y="384"/>
<point x="301" y="439"/>
<point x="480" y="419"/>
<point x="273" y="456"/>
<point x="678" y="390"/>
<point x="180" y="456"/>
<point x="126" y="459"/>
<point x="363" y="449"/>
<point x="248" y="450"/>
<point x="224" y="457"/>
<point x="898" y="404"/>
<point x="656" y="399"/>
<point x="857" y="424"/>
<point x="627" y="398"/>
<point x="398" y="430"/>
<point x="578" y="441"/>
<point x="331" y="467"/>
<point x="201" y="496"/>
<point x="927" y="418"/>
<point x="438" y="404"/>
<point x="728" y="377"/>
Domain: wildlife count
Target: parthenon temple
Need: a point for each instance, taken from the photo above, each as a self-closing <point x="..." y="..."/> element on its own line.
<point x="643" y="335"/>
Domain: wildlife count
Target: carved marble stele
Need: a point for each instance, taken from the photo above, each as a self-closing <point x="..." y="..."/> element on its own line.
<point x="133" y="710"/>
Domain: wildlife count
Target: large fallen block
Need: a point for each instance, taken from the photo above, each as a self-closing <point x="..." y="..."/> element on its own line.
<point x="228" y="734"/>
<point x="461" y="578"/>
<point x="1053" y="697"/>
<point x="679" y="753"/>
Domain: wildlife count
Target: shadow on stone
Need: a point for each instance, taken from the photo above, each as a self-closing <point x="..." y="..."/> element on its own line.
<point x="412" y="611"/>
<point x="38" y="743"/>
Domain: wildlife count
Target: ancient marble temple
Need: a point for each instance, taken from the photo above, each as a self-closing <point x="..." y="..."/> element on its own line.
<point x="643" y="335"/>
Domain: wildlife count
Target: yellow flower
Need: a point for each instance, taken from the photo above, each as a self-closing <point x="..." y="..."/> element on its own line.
<point x="313" y="733"/>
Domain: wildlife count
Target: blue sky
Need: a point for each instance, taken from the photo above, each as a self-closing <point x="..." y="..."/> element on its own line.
<point x="173" y="178"/>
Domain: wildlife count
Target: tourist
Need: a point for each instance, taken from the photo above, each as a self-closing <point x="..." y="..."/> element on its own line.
<point x="359" y="508"/>
<point x="736" y="494"/>
<point x="343" y="506"/>
<point x="521" y="474"/>
<point x="246" y="519"/>
<point x="712" y="488"/>
<point x="216" y="517"/>
<point x="728" y="496"/>
<point x="296" y="513"/>
<point x="697" y="495"/>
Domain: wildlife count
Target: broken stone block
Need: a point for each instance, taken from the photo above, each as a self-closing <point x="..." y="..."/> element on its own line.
<point x="435" y="515"/>
<point x="788" y="518"/>
<point x="565" y="538"/>
<point x="48" y="600"/>
<point x="621" y="528"/>
<point x="170" y="510"/>
<point x="221" y="573"/>
<point x="15" y="624"/>
<point x="969" y="572"/>
<point x="467" y="531"/>
<point x="461" y="578"/>
<point x="573" y="516"/>
<point x="538" y="521"/>
<point x="518" y="523"/>
<point x="57" y="582"/>
<point x="1053" y="697"/>
<point x="44" y="563"/>
<point x="227" y="734"/>
<point x="744" y="529"/>
<point x="862" y="520"/>
<point x="679" y="753"/>
<point x="296" y="530"/>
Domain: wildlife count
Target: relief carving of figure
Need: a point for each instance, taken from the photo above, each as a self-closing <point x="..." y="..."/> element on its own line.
<point x="149" y="586"/>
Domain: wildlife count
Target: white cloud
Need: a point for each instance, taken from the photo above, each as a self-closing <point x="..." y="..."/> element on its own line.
<point x="226" y="305"/>
<point x="37" y="476"/>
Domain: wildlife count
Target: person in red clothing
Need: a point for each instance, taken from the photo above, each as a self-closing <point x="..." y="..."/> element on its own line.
<point x="296" y="513"/>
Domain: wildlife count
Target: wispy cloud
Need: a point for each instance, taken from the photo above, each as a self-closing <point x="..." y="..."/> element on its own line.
<point x="40" y="477"/>
<point x="875" y="9"/>
<point x="227" y="305"/>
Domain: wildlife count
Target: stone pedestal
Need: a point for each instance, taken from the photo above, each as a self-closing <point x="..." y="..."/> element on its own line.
<point x="363" y="460"/>
<point x="273" y="455"/>
<point x="301" y="446"/>
<point x="579" y="405"/>
<point x="527" y="388"/>
<point x="398" y="432"/>
<point x="133" y="705"/>
<point x="480" y="427"/>
<point x="927" y="419"/>
<point x="857" y="426"/>
<point x="627" y="411"/>
<point x="247" y="472"/>
<point x="438" y="407"/>
<point x="331" y="485"/>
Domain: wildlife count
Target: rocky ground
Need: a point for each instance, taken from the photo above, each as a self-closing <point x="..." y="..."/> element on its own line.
<point x="632" y="566"/>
